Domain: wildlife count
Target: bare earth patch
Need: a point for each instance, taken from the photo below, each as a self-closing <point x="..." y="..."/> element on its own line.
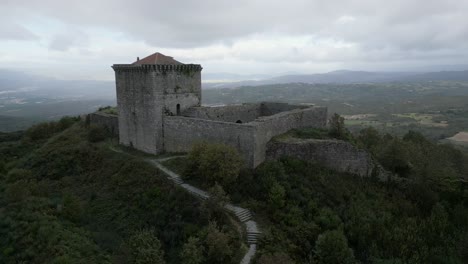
<point x="358" y="117"/>
<point x="460" y="137"/>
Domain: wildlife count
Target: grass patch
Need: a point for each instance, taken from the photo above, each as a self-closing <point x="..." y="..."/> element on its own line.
<point x="305" y="133"/>
<point x="177" y="165"/>
<point x="111" y="110"/>
<point x="423" y="119"/>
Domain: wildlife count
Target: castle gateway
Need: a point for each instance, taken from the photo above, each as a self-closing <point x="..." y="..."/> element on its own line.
<point x="159" y="110"/>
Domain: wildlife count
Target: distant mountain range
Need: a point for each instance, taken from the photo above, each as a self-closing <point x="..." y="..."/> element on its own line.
<point x="349" y="77"/>
<point x="26" y="99"/>
<point x="11" y="81"/>
<point x="28" y="85"/>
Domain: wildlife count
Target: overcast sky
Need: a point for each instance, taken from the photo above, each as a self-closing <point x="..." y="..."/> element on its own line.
<point x="81" y="39"/>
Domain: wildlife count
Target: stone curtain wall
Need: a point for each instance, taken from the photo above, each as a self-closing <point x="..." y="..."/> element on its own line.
<point x="245" y="113"/>
<point x="230" y="113"/>
<point x="271" y="108"/>
<point x="335" y="154"/>
<point x="269" y="126"/>
<point x="180" y="133"/>
<point x="111" y="122"/>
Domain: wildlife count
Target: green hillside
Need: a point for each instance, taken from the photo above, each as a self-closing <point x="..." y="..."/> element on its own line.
<point x="65" y="197"/>
<point x="311" y="214"/>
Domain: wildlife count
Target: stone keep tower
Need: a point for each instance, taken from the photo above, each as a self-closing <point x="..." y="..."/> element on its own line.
<point x="148" y="90"/>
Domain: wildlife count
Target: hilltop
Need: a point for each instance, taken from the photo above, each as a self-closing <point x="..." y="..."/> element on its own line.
<point x="63" y="179"/>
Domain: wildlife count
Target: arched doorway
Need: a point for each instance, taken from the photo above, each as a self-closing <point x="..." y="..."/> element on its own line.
<point x="178" y="109"/>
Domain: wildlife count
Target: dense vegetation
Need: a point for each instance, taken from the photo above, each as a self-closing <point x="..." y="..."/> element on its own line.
<point x="311" y="214"/>
<point x="65" y="197"/>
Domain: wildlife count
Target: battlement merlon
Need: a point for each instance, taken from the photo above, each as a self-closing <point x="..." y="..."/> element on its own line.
<point x="157" y="67"/>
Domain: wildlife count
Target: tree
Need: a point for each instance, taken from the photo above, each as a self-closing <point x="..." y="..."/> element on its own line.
<point x="146" y="248"/>
<point x="218" y="245"/>
<point x="332" y="247"/>
<point x="192" y="252"/>
<point x="218" y="197"/>
<point x="395" y="157"/>
<point x="215" y="204"/>
<point x="276" y="258"/>
<point x="337" y="127"/>
<point x="370" y="138"/>
<point x="277" y="195"/>
<point x="215" y="163"/>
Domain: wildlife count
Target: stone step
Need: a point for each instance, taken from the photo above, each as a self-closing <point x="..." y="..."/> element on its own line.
<point x="240" y="212"/>
<point x="244" y="214"/>
<point x="245" y="219"/>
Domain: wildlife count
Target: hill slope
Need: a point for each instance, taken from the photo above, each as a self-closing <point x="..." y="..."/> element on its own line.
<point x="66" y="198"/>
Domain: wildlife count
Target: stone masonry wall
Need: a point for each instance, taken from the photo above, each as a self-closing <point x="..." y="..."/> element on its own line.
<point x="269" y="126"/>
<point x="140" y="110"/>
<point x="249" y="138"/>
<point x="230" y="113"/>
<point x="180" y="133"/>
<point x="107" y="120"/>
<point x="146" y="93"/>
<point x="335" y="154"/>
<point x="271" y="108"/>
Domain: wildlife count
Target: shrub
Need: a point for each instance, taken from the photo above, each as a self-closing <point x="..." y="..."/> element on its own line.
<point x="48" y="129"/>
<point x="214" y="163"/>
<point x="146" y="248"/>
<point x="276" y="258"/>
<point x="218" y="245"/>
<point x="192" y="252"/>
<point x="18" y="174"/>
<point x="337" y="127"/>
<point x="17" y="191"/>
<point x="332" y="248"/>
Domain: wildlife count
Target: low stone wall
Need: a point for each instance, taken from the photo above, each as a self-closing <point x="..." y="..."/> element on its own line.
<point x="335" y="154"/>
<point x="107" y="120"/>
<point x="180" y="133"/>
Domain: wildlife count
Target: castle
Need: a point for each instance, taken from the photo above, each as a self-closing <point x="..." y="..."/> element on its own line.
<point x="159" y="110"/>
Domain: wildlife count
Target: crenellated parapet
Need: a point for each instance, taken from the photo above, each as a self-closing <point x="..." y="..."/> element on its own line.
<point x="157" y="68"/>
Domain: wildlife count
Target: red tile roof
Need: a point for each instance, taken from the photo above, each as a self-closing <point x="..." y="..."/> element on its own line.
<point x="157" y="58"/>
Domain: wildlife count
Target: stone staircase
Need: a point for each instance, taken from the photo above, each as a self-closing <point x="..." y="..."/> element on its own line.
<point x="244" y="215"/>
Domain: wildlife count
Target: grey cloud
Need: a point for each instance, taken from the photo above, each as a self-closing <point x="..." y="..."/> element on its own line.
<point x="380" y="30"/>
<point x="13" y="31"/>
<point x="397" y="23"/>
<point x="66" y="40"/>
